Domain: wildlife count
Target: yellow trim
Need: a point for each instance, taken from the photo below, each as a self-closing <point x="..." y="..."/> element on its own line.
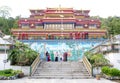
<point x="70" y="30"/>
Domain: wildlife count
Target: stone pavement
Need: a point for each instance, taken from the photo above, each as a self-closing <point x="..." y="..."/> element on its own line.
<point x="26" y="80"/>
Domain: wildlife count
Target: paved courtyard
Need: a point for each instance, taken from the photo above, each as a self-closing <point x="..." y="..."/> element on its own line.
<point x="26" y="80"/>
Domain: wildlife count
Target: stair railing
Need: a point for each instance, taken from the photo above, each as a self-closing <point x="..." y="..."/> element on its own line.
<point x="97" y="49"/>
<point x="34" y="65"/>
<point x="88" y="66"/>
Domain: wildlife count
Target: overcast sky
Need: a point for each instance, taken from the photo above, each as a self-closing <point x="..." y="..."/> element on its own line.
<point x="103" y="8"/>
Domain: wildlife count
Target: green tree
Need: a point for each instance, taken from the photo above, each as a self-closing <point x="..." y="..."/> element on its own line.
<point x="99" y="60"/>
<point x="5" y="11"/>
<point x="4" y="25"/>
<point x="113" y="25"/>
<point x="11" y="22"/>
<point x="16" y="21"/>
<point x="22" y="54"/>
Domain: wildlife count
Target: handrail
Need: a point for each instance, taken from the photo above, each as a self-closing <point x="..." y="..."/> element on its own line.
<point x="99" y="45"/>
<point x="88" y="65"/>
<point x="106" y="41"/>
<point x="34" y="65"/>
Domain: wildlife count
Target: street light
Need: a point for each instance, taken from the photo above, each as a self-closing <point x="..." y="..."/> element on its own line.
<point x="5" y="48"/>
<point x="62" y="16"/>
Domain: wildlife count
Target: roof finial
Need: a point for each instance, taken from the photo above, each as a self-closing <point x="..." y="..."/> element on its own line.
<point x="82" y="11"/>
<point x="59" y="6"/>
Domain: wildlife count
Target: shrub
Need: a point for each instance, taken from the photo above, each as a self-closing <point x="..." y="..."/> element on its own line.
<point x="9" y="72"/>
<point x="110" y="71"/>
<point x="114" y="72"/>
<point x="21" y="55"/>
<point x="105" y="70"/>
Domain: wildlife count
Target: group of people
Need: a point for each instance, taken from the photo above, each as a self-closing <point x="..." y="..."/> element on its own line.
<point x="56" y="56"/>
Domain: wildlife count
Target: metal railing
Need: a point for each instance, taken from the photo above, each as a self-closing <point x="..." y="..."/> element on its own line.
<point x="34" y="65"/>
<point x="99" y="47"/>
<point x="88" y="65"/>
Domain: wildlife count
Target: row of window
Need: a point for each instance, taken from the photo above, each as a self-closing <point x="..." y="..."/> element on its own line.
<point x="57" y="26"/>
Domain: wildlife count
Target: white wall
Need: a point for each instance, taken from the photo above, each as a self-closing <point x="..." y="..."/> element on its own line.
<point x="25" y="69"/>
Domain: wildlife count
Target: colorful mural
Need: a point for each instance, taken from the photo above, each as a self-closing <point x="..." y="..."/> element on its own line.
<point x="74" y="48"/>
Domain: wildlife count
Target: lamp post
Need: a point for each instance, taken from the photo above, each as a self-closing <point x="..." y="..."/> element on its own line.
<point x="5" y="48"/>
<point x="62" y="16"/>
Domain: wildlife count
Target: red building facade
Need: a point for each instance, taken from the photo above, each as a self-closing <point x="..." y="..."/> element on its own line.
<point x="59" y="23"/>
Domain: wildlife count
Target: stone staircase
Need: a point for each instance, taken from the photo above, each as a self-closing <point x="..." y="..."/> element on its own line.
<point x="61" y="70"/>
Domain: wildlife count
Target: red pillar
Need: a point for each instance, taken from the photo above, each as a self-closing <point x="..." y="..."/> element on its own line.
<point x="78" y="35"/>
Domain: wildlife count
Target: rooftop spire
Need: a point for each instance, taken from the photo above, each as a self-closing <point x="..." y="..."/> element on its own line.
<point x="59" y="6"/>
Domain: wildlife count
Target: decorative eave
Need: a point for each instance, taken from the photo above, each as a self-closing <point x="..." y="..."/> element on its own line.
<point x="29" y="20"/>
<point x="38" y="10"/>
<point x="88" y="21"/>
<point x="59" y="8"/>
<point x="78" y="11"/>
<point x="42" y="30"/>
<point x="59" y="20"/>
<point x="58" y="12"/>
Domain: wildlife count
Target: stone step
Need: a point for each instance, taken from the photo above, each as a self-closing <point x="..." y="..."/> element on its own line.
<point x="83" y="72"/>
<point x="60" y="74"/>
<point x="53" y="65"/>
<point x="61" y="70"/>
<point x="67" y="68"/>
<point x="61" y="77"/>
<point x="47" y="64"/>
<point x="72" y="71"/>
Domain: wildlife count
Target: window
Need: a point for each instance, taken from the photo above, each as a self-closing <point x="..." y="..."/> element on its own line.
<point x="25" y="25"/>
<point x="80" y="26"/>
<point x="38" y="25"/>
<point x="93" y="26"/>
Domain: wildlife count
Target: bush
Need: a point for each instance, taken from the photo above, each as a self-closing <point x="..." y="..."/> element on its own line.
<point x="9" y="72"/>
<point x="105" y="70"/>
<point x="114" y="72"/>
<point x="22" y="55"/>
<point x="110" y="71"/>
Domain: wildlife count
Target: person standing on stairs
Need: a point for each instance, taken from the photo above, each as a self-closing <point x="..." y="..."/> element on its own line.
<point x="65" y="56"/>
<point x="47" y="56"/>
<point x="56" y="57"/>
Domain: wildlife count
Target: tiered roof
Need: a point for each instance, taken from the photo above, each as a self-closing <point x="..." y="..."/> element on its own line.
<point x="53" y="15"/>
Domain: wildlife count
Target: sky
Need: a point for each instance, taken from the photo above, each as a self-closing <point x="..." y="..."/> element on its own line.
<point x="102" y="8"/>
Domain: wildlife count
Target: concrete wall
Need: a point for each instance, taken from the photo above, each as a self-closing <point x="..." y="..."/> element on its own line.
<point x="25" y="69"/>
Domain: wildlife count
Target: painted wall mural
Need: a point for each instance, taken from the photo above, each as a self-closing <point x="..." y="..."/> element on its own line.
<point x="74" y="48"/>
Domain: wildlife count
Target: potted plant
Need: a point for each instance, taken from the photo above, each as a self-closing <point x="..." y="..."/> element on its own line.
<point x="98" y="76"/>
<point x="20" y="74"/>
